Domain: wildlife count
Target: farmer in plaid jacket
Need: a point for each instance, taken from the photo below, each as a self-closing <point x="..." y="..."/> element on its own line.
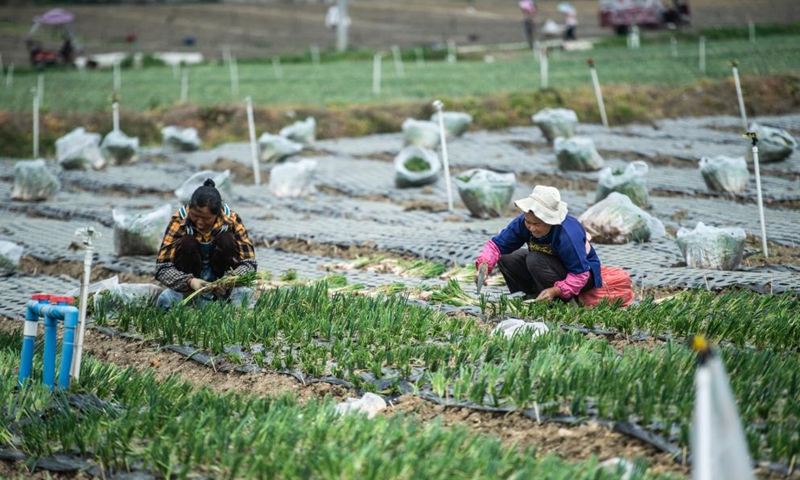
<point x="204" y="241"/>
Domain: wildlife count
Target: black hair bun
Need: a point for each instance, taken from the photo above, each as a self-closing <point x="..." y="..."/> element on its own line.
<point x="209" y="183"/>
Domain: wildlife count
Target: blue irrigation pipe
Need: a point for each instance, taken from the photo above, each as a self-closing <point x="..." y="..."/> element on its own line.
<point x="52" y="314"/>
<point x="29" y="338"/>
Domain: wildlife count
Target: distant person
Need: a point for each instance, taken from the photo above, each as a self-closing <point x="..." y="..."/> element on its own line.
<point x="570" y="22"/>
<point x="528" y="8"/>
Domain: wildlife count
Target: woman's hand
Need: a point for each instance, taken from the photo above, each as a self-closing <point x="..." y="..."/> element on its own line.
<point x="197" y="283"/>
<point x="548" y="294"/>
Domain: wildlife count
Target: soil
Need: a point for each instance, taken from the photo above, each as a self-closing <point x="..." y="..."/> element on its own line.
<point x="774" y="203"/>
<point x="74" y="269"/>
<point x="579" y="185"/>
<point x="573" y="443"/>
<point x="348" y="252"/>
<point x="240" y="173"/>
<point x="660" y="160"/>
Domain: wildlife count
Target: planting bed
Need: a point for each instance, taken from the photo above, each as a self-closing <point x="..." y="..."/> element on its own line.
<point x="427" y="346"/>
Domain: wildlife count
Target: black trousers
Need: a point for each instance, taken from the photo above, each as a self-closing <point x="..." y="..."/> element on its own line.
<point x="532" y="272"/>
<point x="224" y="255"/>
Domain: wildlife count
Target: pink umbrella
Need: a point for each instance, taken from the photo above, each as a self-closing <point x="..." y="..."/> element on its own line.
<point x="55" y="16"/>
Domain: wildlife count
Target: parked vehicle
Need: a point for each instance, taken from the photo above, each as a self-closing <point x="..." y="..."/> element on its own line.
<point x="622" y="14"/>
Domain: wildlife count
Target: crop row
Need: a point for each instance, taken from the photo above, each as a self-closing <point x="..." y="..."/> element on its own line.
<point x="740" y="317"/>
<point x="125" y="421"/>
<point x="363" y="339"/>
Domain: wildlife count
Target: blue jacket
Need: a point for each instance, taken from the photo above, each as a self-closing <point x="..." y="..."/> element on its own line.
<point x="567" y="241"/>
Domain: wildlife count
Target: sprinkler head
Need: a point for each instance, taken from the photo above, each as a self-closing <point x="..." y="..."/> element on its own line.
<point x="438" y="105"/>
<point x="590" y="62"/>
<point x="734" y="63"/>
<point x="753" y="136"/>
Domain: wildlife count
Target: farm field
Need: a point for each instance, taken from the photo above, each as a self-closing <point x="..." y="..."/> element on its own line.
<point x="366" y="288"/>
<point x="351" y="82"/>
<point x="349" y="306"/>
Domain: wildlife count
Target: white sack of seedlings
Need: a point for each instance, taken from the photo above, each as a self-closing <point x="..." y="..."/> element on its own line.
<point x="486" y="193"/>
<point x="774" y="144"/>
<point x="513" y="326"/>
<point x="455" y="123"/>
<point x="711" y="247"/>
<point x="140" y="233"/>
<point x="416" y="167"/>
<point x="33" y="181"/>
<point x="222" y="182"/>
<point x="10" y="255"/>
<point x="109" y="295"/>
<point x="370" y="404"/>
<point x="293" y="179"/>
<point x="616" y="220"/>
<point x="181" y="139"/>
<point x="304" y="132"/>
<point x="275" y="148"/>
<point x="80" y="149"/>
<point x="725" y="174"/>
<point x="630" y="182"/>
<point x="119" y="148"/>
<point x="577" y="153"/>
<point x="556" y="122"/>
<point x="421" y="133"/>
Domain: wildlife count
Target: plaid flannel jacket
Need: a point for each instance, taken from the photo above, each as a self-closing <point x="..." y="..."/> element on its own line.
<point x="181" y="225"/>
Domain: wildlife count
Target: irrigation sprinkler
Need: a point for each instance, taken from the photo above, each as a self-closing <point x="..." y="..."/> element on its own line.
<point x="543" y="66"/>
<point x="314" y="55"/>
<point x="52" y="309"/>
<point x="184" y="86"/>
<point x="703" y="54"/>
<point x="10" y="75"/>
<point x="87" y="234"/>
<point x="35" y="124"/>
<point x="673" y="46"/>
<point x="598" y="93"/>
<point x="398" y="61"/>
<point x="376" y="74"/>
<point x="40" y="88"/>
<point x="438" y="105"/>
<point x="420" y="55"/>
<point x="276" y="67"/>
<point x="251" y="126"/>
<point x="742" y="112"/>
<point x="452" y="54"/>
<point x="234" y="69"/>
<point x="753" y="136"/>
<point x="117" y="77"/>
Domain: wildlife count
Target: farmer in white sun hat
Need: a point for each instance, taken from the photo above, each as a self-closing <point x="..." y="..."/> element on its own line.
<point x="558" y="261"/>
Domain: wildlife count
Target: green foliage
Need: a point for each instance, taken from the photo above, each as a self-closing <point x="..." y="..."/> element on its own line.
<point x="348" y="82"/>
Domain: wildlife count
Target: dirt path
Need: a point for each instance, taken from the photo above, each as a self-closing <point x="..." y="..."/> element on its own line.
<point x="281" y="27"/>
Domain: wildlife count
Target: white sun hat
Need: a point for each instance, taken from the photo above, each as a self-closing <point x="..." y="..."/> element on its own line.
<point x="545" y="203"/>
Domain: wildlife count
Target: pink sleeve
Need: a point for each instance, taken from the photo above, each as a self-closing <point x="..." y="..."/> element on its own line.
<point x="490" y="255"/>
<point x="573" y="284"/>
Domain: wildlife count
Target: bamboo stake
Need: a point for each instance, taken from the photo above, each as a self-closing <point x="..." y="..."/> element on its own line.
<point x="253" y="145"/>
<point x="702" y="54"/>
<point x="438" y="105"/>
<point x="36" y="125"/>
<point x="398" y="61"/>
<point x="276" y="67"/>
<point x="742" y="111"/>
<point x="376" y="74"/>
<point x="598" y="93"/>
<point x="10" y="76"/>
<point x="184" y="86"/>
<point x="754" y="141"/>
